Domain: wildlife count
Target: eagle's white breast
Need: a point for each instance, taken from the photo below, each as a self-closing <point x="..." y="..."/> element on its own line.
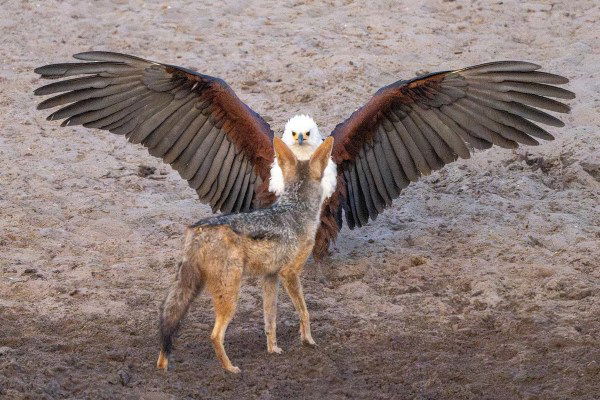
<point x="328" y="182"/>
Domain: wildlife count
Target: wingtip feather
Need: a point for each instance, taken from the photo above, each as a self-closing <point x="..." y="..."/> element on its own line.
<point x="83" y="55"/>
<point x="569" y="95"/>
<point x="45" y="70"/>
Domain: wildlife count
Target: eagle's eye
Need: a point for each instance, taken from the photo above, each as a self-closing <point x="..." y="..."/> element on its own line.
<point x="308" y="133"/>
<point x="294" y="134"/>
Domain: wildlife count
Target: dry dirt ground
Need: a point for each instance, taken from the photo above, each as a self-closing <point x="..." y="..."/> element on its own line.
<point x="482" y="282"/>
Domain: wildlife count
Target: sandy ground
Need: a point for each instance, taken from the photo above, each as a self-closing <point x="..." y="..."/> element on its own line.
<point x="482" y="282"/>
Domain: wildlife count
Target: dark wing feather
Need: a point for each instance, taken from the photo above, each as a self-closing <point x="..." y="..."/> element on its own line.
<point x="411" y="128"/>
<point x="192" y="121"/>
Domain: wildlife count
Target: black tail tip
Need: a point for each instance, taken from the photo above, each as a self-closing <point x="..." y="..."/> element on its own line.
<point x="166" y="346"/>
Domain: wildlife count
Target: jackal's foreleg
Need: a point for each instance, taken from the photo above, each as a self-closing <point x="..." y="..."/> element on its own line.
<point x="291" y="281"/>
<point x="185" y="288"/>
<point x="270" y="285"/>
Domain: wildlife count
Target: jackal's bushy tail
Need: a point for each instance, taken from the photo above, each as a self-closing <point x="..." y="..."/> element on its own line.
<point x="185" y="288"/>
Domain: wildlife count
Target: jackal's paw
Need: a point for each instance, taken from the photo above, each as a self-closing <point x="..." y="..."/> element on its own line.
<point x="308" y="341"/>
<point x="162" y="362"/>
<point x="233" y="369"/>
<point x="275" y="349"/>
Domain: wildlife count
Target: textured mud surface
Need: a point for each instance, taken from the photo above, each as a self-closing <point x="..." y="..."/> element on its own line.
<point x="482" y="282"/>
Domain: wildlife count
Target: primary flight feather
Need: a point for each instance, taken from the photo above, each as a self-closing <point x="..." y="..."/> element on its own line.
<point x="198" y="125"/>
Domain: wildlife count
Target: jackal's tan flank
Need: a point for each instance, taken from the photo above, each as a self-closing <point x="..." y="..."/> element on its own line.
<point x="273" y="243"/>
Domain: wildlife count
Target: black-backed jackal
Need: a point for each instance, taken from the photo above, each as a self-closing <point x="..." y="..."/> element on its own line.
<point x="273" y="243"/>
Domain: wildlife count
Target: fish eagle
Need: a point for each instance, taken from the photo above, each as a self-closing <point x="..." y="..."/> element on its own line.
<point x="198" y="125"/>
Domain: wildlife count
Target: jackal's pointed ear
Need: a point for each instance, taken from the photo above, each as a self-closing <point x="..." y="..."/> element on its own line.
<point x="285" y="156"/>
<point x="320" y="158"/>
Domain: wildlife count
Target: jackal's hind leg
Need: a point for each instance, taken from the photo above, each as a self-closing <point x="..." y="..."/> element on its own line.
<point x="292" y="284"/>
<point x="225" y="300"/>
<point x="270" y="284"/>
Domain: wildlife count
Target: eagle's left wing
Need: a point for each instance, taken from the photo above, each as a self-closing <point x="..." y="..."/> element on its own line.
<point x="411" y="128"/>
<point x="194" y="122"/>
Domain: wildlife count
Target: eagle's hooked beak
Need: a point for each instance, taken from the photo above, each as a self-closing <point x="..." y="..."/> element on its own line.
<point x="300" y="138"/>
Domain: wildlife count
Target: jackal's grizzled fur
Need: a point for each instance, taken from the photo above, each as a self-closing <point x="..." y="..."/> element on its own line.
<point x="273" y="243"/>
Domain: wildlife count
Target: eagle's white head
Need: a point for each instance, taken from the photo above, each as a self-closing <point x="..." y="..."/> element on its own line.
<point x="302" y="136"/>
<point x="301" y="130"/>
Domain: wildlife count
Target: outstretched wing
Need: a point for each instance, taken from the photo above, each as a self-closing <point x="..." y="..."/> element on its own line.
<point x="194" y="122"/>
<point x="411" y="128"/>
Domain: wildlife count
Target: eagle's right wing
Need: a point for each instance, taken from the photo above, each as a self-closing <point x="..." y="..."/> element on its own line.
<point x="194" y="122"/>
<point x="411" y="128"/>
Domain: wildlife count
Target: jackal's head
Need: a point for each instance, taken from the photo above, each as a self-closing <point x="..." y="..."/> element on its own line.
<point x="312" y="178"/>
